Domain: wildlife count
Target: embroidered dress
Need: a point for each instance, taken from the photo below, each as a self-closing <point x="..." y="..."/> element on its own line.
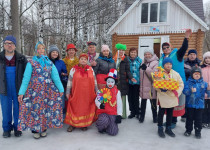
<point x="42" y="105"/>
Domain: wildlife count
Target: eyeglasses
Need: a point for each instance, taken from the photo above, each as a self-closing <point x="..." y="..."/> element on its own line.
<point x="166" y="47"/>
<point x="7" y="44"/>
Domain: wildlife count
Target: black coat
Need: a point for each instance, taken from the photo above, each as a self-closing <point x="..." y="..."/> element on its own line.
<point x="124" y="75"/>
<point x="189" y="64"/>
<point x="21" y="62"/>
<point x="104" y="66"/>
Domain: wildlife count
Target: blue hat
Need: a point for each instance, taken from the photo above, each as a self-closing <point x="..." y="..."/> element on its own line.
<point x="192" y="51"/>
<point x="10" y="38"/>
<point x="167" y="60"/>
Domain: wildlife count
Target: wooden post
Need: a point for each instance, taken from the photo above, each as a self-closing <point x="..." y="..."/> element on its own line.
<point x="114" y="42"/>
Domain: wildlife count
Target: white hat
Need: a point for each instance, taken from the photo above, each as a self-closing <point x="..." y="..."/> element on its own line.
<point x="105" y="47"/>
<point x="149" y="50"/>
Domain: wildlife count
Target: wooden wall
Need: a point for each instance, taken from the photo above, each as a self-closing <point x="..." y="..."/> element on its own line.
<point x="176" y="39"/>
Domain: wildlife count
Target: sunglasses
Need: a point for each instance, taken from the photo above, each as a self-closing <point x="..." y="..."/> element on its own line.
<point x="166" y="47"/>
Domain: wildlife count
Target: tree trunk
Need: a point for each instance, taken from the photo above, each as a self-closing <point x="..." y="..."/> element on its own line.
<point x="15" y="22"/>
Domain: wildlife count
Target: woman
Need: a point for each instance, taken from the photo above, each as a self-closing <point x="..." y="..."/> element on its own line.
<point x="105" y="62"/>
<point x="54" y="56"/>
<point x="123" y="68"/>
<point x="41" y="107"/>
<point x="133" y="94"/>
<point x="81" y="92"/>
<point x="146" y="88"/>
<point x="71" y="59"/>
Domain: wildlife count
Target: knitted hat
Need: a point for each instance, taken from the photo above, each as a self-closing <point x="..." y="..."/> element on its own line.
<point x="148" y="50"/>
<point x="53" y="48"/>
<point x="71" y="46"/>
<point x="10" y="38"/>
<point x="120" y="46"/>
<point x="167" y="60"/>
<point x="195" y="69"/>
<point x="91" y="43"/>
<point x="192" y="51"/>
<point x="83" y="55"/>
<point x="206" y="54"/>
<point x="112" y="74"/>
<point x="105" y="47"/>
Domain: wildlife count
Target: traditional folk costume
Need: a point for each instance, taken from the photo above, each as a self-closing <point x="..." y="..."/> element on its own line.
<point x="109" y="105"/>
<point x="42" y="105"/>
<point x="82" y="87"/>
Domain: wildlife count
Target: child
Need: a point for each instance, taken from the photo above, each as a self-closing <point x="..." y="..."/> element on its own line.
<point x="168" y="99"/>
<point x="109" y="105"/>
<point x="194" y="90"/>
<point x="205" y="68"/>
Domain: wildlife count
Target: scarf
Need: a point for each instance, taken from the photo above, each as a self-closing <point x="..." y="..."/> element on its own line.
<point x="111" y="60"/>
<point x="91" y="57"/>
<point x="83" y="69"/>
<point x="43" y="61"/>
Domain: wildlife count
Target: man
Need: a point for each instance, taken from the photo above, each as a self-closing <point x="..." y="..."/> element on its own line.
<point x="177" y="58"/>
<point x="190" y="62"/>
<point x="12" y="67"/>
<point x="92" y="55"/>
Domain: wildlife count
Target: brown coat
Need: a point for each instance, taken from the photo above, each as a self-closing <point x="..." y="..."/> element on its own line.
<point x="146" y="88"/>
<point x="168" y="99"/>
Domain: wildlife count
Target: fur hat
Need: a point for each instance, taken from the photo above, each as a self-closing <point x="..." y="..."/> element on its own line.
<point x="149" y="50"/>
<point x="195" y="69"/>
<point x="105" y="47"/>
<point x="206" y="54"/>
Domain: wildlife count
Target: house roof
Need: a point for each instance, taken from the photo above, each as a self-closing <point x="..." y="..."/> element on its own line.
<point x="192" y="7"/>
<point x="195" y="6"/>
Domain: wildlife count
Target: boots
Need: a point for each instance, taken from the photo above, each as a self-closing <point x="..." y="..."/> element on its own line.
<point x="160" y="132"/>
<point x="197" y="133"/>
<point x="169" y="132"/>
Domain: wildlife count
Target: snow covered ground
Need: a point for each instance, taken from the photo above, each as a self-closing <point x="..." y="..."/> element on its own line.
<point x="132" y="136"/>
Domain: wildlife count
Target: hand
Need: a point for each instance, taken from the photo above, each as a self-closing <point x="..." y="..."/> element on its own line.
<point x="94" y="63"/>
<point x="102" y="106"/>
<point x="61" y="94"/>
<point x="67" y="96"/>
<point x="193" y="90"/>
<point x="133" y="80"/>
<point x="143" y="66"/>
<point x="20" y="98"/>
<point x="118" y="119"/>
<point x="64" y="74"/>
<point x="188" y="33"/>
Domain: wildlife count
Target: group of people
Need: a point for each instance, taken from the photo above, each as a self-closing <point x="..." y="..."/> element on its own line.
<point x="46" y="92"/>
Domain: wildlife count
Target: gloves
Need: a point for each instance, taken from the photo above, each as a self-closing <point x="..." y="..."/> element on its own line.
<point x="118" y="119"/>
<point x="143" y="67"/>
<point x="102" y="106"/>
<point x="163" y="90"/>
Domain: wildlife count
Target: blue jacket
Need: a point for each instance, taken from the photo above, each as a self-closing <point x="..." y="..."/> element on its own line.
<point x="134" y="69"/>
<point x="61" y="67"/>
<point x="196" y="99"/>
<point x="177" y="65"/>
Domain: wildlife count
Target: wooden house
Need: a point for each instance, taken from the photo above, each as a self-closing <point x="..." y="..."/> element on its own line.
<point x="149" y="23"/>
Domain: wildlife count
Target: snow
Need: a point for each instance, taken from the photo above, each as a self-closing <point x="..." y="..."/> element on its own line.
<point x="132" y="136"/>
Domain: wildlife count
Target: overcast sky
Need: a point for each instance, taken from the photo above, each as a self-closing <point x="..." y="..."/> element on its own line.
<point x="204" y="1"/>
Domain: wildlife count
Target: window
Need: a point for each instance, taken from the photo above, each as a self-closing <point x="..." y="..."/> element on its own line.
<point x="144" y="13"/>
<point x="154" y="12"/>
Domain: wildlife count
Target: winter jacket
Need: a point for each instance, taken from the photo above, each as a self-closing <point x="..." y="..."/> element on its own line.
<point x="134" y="69"/>
<point x="104" y="64"/>
<point x="188" y="65"/>
<point x="195" y="99"/>
<point x="123" y="75"/>
<point x="21" y="62"/>
<point x="146" y="88"/>
<point x="169" y="98"/>
<point x="206" y="74"/>
<point x="177" y="58"/>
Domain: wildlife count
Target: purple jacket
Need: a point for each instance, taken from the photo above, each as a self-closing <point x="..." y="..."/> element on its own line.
<point x="146" y="88"/>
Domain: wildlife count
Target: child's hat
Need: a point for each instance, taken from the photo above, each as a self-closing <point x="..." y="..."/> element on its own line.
<point x="207" y="54"/>
<point x="112" y="74"/>
<point x="195" y="69"/>
<point x="167" y="60"/>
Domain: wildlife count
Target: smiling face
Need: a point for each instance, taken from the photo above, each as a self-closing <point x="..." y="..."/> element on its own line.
<point x="105" y="52"/>
<point x="207" y="60"/>
<point x="166" y="50"/>
<point x="41" y="49"/>
<point x="168" y="67"/>
<point x="54" y="54"/>
<point x="110" y="82"/>
<point x="71" y="52"/>
<point x="121" y="53"/>
<point x="133" y="54"/>
<point x="192" y="56"/>
<point x="147" y="55"/>
<point x="91" y="49"/>
<point x="83" y="61"/>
